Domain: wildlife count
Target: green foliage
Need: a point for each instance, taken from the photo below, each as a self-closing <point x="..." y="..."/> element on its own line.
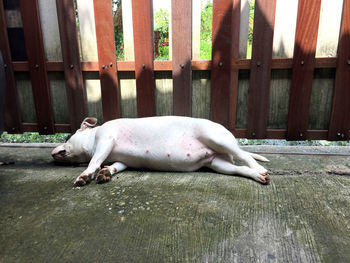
<point x="206" y="22"/>
<point x="118" y="34"/>
<point x="161" y="24"/>
<point x="206" y="31"/>
<point x="119" y="44"/>
<point x="292" y="143"/>
<point x="251" y="21"/>
<point x="205" y="53"/>
<point x="250" y="29"/>
<point x="161" y="19"/>
<point x="163" y="53"/>
<point x="33" y="137"/>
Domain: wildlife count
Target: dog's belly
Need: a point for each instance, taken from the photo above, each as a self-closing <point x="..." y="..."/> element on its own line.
<point x="185" y="154"/>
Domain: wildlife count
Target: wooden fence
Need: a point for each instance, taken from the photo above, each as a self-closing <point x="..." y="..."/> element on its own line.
<point x="296" y="86"/>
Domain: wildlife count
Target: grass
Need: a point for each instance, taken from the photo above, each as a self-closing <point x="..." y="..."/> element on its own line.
<point x="34" y="137"/>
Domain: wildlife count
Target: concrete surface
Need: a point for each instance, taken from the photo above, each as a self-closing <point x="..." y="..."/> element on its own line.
<point x="144" y="216"/>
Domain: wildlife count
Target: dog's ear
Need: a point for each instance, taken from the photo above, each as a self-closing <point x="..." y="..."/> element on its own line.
<point x="88" y="123"/>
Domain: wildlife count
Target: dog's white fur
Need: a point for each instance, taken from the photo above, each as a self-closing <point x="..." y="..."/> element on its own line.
<point x="159" y="143"/>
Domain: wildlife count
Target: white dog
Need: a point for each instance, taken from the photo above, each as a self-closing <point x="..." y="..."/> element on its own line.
<point x="159" y="143"/>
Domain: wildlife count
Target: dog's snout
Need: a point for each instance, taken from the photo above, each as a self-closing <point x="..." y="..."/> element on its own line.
<point x="61" y="153"/>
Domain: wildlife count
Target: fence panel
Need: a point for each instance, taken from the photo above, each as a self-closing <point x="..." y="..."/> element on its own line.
<point x="293" y="87"/>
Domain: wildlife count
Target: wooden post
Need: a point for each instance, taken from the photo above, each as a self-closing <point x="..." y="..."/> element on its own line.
<point x="12" y="115"/>
<point x="303" y="68"/>
<point x="37" y="65"/>
<point x="71" y="62"/>
<point x="260" y="74"/>
<point x="106" y="59"/>
<point x="181" y="61"/>
<point x="221" y="62"/>
<point x="143" y="43"/>
<point x="339" y="126"/>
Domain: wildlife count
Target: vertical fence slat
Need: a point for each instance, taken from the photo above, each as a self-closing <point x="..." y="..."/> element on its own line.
<point x="260" y="74"/>
<point x="236" y="28"/>
<point x="143" y="44"/>
<point x="303" y="68"/>
<point x="221" y="62"/>
<point x="12" y="110"/>
<point x="71" y="61"/>
<point x="340" y="121"/>
<point x="37" y="65"/>
<point x="181" y="61"/>
<point x="106" y="59"/>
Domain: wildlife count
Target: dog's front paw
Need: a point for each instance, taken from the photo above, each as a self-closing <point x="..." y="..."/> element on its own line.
<point x="264" y="178"/>
<point x="103" y="176"/>
<point x="82" y="180"/>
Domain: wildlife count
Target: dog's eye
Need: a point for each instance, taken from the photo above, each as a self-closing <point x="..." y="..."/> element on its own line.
<point x="63" y="152"/>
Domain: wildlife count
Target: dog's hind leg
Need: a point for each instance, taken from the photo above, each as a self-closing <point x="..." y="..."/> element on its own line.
<point x="223" y="142"/>
<point x="222" y="164"/>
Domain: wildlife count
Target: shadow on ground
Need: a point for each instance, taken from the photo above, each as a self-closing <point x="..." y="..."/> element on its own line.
<point x="302" y="216"/>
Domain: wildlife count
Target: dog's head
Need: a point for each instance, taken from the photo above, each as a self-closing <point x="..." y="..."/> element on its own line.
<point x="75" y="149"/>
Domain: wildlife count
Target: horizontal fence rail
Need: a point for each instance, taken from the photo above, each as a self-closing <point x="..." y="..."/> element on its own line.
<point x="60" y="64"/>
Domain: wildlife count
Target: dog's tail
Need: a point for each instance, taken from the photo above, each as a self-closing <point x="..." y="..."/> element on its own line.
<point x="258" y="157"/>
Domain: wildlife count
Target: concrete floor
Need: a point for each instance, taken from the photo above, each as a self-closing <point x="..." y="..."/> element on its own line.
<point x="144" y="216"/>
